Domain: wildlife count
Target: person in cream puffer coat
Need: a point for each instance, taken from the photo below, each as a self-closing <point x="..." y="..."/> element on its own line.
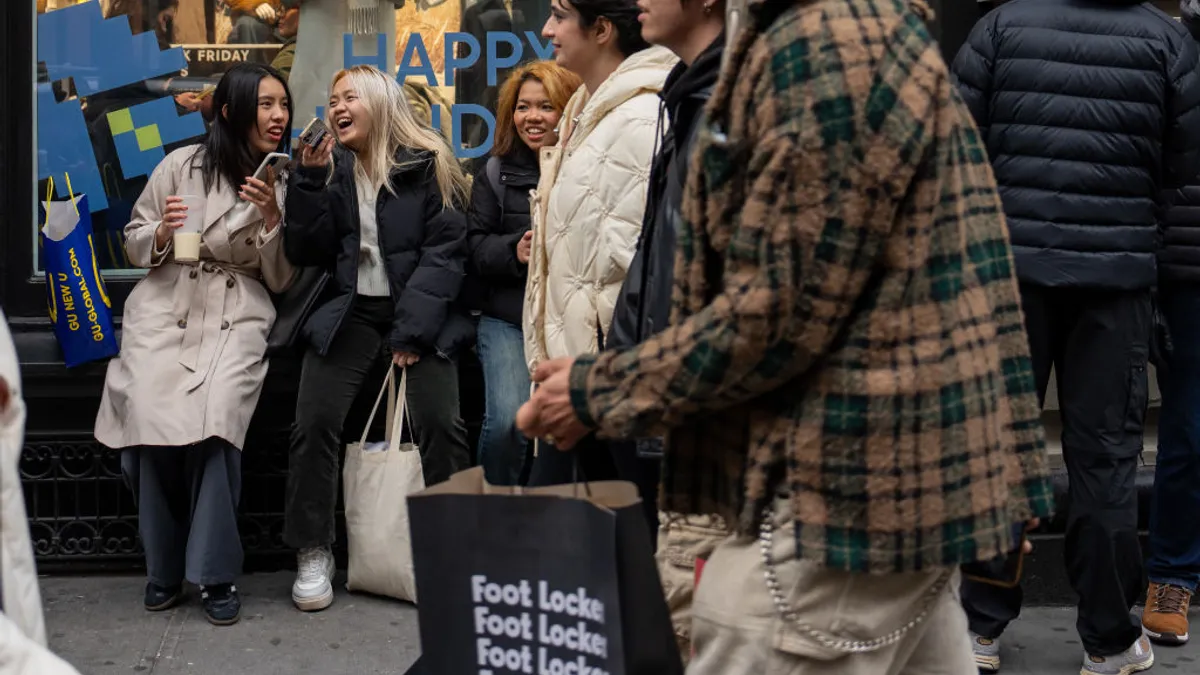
<point x="22" y="629"/>
<point x="588" y="207"/>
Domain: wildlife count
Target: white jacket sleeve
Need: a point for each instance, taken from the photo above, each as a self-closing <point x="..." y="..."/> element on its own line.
<point x="20" y="655"/>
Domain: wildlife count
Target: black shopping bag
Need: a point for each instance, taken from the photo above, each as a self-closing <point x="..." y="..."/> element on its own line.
<point x="548" y="581"/>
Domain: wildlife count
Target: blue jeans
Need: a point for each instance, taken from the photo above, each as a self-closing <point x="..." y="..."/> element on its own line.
<point x="502" y="447"/>
<point x="1175" y="509"/>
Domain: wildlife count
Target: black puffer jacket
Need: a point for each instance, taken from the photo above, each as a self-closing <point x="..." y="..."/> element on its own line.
<point x="424" y="249"/>
<point x="644" y="305"/>
<point x="495" y="282"/>
<point x="1088" y="109"/>
<point x="1179" y="259"/>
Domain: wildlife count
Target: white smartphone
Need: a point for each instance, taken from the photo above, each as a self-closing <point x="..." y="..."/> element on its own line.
<point x="276" y="161"/>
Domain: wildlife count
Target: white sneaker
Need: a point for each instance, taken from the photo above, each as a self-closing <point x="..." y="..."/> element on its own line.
<point x="313" y="589"/>
<point x="1139" y="657"/>
<point x="987" y="653"/>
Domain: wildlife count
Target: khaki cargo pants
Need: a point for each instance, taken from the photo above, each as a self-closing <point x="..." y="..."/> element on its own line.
<point x="737" y="627"/>
<point x="681" y="540"/>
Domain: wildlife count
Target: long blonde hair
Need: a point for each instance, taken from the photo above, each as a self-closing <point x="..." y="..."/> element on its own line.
<point x="393" y="126"/>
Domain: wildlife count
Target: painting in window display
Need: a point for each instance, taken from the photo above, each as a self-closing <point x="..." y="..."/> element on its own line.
<point x="121" y="83"/>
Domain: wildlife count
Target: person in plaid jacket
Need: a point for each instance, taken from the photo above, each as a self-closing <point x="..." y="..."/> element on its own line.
<point x="846" y="378"/>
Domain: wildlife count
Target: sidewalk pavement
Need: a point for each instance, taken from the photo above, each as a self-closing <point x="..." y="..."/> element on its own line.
<point x="98" y="624"/>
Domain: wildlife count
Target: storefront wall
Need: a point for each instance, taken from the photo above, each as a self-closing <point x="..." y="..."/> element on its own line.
<point x="83" y="84"/>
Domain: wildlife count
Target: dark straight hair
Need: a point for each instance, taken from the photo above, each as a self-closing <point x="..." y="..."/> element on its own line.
<point x="235" y="111"/>
<point x="623" y="14"/>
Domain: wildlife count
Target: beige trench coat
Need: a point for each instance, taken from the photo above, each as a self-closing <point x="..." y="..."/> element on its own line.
<point x="194" y="336"/>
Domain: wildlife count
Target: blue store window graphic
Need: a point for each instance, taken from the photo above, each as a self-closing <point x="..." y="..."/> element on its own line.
<point x="88" y="57"/>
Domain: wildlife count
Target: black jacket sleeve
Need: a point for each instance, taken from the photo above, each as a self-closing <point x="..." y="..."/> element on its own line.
<point x="310" y="236"/>
<point x="1181" y="147"/>
<point x="425" y="303"/>
<point x="972" y="71"/>
<point x="492" y="253"/>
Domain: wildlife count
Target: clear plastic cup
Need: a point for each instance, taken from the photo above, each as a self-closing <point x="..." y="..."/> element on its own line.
<point x="187" y="237"/>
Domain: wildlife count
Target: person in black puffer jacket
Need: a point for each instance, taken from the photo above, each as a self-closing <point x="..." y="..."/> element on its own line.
<point x="384" y="218"/>
<point x="1088" y="109"/>
<point x="1173" y="566"/>
<point x="531" y="102"/>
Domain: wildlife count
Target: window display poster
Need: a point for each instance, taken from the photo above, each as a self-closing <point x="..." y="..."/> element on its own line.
<point x="123" y="82"/>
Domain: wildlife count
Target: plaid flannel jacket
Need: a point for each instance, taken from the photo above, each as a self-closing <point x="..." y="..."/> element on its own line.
<point x="846" y="321"/>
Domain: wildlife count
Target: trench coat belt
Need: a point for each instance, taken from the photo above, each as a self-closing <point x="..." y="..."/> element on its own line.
<point x="205" y="329"/>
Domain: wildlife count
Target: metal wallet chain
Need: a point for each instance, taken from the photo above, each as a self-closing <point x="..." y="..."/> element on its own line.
<point x="766" y="539"/>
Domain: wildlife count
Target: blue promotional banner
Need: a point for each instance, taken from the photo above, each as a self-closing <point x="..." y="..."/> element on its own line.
<point x="77" y="300"/>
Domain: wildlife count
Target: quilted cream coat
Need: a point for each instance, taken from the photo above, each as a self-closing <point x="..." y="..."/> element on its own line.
<point x="587" y="210"/>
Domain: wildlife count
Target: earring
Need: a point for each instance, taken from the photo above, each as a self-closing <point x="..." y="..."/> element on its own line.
<point x="708" y="9"/>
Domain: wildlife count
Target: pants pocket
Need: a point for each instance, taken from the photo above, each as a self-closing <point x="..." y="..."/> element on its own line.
<point x="1138" y="399"/>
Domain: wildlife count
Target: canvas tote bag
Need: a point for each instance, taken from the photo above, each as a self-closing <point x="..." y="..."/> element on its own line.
<point x="376" y="481"/>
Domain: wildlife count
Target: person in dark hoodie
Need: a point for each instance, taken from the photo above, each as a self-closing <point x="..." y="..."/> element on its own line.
<point x="1174" y="563"/>
<point x="694" y="30"/>
<point x="1088" y="110"/>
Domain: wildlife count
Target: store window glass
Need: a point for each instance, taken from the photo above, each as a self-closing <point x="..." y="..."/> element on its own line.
<point x="121" y="83"/>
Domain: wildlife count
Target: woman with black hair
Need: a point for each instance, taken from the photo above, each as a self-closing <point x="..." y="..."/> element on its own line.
<point x="591" y="196"/>
<point x="178" y="398"/>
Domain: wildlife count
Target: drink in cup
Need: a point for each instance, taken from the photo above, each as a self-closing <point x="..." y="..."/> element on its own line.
<point x="187" y="237"/>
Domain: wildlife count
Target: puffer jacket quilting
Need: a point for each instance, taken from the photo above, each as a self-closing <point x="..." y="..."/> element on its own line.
<point x="587" y="210"/>
<point x="1088" y="110"/>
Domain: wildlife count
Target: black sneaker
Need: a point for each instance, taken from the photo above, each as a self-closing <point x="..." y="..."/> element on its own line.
<point x="159" y="598"/>
<point x="222" y="606"/>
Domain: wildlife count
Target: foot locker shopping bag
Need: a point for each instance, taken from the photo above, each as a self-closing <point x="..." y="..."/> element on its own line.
<point x="552" y="581"/>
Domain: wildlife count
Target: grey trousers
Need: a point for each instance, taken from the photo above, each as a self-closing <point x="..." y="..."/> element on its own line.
<point x="187" y="500"/>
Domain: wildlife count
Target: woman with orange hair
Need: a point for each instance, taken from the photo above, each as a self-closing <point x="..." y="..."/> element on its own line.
<point x="530" y="104"/>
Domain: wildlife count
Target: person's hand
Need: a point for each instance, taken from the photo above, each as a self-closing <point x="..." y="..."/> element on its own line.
<point x="525" y="248"/>
<point x="263" y="196"/>
<point x="189" y="101"/>
<point x="173" y="219"/>
<point x="549" y="413"/>
<point x="265" y="13"/>
<point x="1026" y="545"/>
<point x="318" y="157"/>
<point x="404" y="359"/>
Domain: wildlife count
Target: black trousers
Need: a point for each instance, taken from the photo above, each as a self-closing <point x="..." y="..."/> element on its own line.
<point x="328" y="387"/>
<point x="1098" y="343"/>
<point x="600" y="460"/>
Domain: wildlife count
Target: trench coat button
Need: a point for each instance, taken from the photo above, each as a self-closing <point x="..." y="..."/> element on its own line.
<point x="249" y="241"/>
<point x="229" y="283"/>
<point x="182" y="323"/>
<point x="224" y="325"/>
<point x="192" y="274"/>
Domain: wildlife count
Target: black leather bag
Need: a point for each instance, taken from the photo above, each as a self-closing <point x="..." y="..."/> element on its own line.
<point x="294" y="307"/>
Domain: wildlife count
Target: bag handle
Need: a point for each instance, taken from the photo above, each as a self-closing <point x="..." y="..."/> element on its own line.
<point x="50" y="193"/>
<point x="389" y="382"/>
<point x="396" y="431"/>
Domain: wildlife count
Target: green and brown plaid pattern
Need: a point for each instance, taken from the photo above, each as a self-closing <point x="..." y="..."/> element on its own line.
<point x="847" y="324"/>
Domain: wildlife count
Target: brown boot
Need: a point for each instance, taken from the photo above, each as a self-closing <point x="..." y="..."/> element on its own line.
<point x="1165" y="616"/>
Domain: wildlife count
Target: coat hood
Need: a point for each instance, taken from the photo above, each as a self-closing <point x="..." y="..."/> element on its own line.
<point x="641" y="73"/>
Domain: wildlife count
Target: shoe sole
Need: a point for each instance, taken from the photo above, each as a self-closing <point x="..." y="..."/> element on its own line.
<point x="175" y="600"/>
<point x="987" y="664"/>
<point x="1126" y="670"/>
<point x="224" y="622"/>
<point x="314" y="604"/>
<point x="1168" y="639"/>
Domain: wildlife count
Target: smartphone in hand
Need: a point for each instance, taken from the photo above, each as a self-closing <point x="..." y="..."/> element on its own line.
<point x="1003" y="570"/>
<point x="314" y="133"/>
<point x="276" y="161"/>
